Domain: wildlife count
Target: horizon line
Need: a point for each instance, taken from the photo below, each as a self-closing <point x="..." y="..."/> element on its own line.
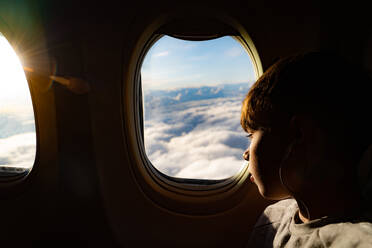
<point x="196" y="87"/>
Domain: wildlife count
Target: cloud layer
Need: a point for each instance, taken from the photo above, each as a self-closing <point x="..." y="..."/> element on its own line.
<point x="18" y="150"/>
<point x="17" y="139"/>
<point x="199" y="139"/>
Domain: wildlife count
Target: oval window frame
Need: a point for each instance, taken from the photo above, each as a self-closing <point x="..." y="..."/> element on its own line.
<point x="183" y="196"/>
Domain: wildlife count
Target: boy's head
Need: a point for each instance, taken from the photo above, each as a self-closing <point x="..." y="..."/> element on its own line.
<point x="317" y="101"/>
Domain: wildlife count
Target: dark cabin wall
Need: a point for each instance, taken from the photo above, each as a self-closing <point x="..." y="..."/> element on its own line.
<point x="280" y="28"/>
<point x="82" y="190"/>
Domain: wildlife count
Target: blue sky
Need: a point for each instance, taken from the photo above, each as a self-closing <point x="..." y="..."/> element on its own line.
<point x="173" y="63"/>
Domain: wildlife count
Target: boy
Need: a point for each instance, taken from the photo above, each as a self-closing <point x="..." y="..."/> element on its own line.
<point x="308" y="118"/>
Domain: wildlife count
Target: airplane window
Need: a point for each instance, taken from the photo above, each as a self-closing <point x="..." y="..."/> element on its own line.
<point x="192" y="94"/>
<point x="17" y="123"/>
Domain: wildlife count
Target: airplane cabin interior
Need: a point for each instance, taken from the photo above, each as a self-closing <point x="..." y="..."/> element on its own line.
<point x="90" y="180"/>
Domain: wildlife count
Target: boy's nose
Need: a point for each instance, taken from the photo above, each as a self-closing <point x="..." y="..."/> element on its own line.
<point x="246" y="154"/>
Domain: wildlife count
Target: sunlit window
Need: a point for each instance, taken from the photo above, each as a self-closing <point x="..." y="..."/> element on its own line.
<point x="192" y="94"/>
<point x="17" y="124"/>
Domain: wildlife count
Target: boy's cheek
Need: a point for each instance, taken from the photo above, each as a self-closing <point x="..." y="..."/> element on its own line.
<point x="268" y="182"/>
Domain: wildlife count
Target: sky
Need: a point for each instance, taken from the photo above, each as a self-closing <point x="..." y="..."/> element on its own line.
<point x="174" y="63"/>
<point x="192" y="99"/>
<point x="17" y="124"/>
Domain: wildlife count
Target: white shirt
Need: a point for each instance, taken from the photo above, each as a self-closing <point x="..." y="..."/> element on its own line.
<point x="279" y="226"/>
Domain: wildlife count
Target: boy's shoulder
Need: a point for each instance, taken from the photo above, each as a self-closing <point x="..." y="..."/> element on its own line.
<point x="278" y="212"/>
<point x="276" y="228"/>
<point x="347" y="234"/>
<point x="275" y="217"/>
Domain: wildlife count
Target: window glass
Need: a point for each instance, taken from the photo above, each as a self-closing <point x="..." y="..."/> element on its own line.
<point x="17" y="124"/>
<point x="192" y="93"/>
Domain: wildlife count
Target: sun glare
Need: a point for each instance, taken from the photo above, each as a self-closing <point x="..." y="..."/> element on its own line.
<point x="14" y="90"/>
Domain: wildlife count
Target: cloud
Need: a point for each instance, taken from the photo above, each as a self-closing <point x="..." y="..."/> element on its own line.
<point x="13" y="122"/>
<point x="18" y="150"/>
<point x="216" y="90"/>
<point x="161" y="54"/>
<point x="178" y="97"/>
<point x="17" y="137"/>
<point x="198" y="139"/>
<point x="234" y="52"/>
<point x="215" y="169"/>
